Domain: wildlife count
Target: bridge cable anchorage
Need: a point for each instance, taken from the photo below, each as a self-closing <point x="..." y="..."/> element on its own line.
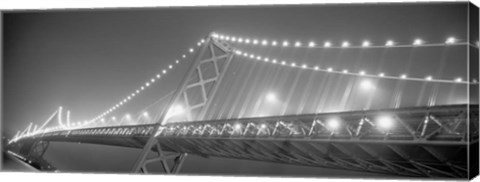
<point x="362" y="73"/>
<point x="365" y="44"/>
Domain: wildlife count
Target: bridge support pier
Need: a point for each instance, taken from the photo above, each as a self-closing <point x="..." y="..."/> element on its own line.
<point x="162" y="157"/>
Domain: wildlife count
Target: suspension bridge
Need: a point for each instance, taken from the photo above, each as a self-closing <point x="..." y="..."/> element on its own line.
<point x="206" y="116"/>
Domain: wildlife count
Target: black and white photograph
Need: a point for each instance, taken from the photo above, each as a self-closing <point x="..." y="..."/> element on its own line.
<point x="348" y="91"/>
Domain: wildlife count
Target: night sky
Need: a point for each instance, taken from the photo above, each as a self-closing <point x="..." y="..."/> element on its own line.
<point x="86" y="61"/>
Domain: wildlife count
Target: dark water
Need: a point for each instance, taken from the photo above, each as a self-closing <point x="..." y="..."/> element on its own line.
<point x="89" y="158"/>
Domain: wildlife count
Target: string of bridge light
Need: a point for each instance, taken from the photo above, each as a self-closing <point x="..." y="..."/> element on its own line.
<point x="144" y="86"/>
<point x="328" y="44"/>
<point x="362" y="73"/>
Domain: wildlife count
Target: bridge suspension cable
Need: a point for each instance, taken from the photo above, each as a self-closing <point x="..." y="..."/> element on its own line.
<point x="450" y="41"/>
<point x="143" y="87"/>
<point x="362" y="73"/>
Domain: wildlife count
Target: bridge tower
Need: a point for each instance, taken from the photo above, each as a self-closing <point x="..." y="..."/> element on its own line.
<point x="195" y="92"/>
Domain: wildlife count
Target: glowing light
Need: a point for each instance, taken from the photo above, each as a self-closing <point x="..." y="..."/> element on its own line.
<point x="385" y="122"/>
<point x="365" y="43"/>
<point x="330" y="69"/>
<point x="245" y="54"/>
<point x="184" y="56"/>
<point x="274" y="43"/>
<point x="403" y="76"/>
<point x="417" y="42"/>
<point x="283" y="63"/>
<point x="102" y="120"/>
<point x="170" y="66"/>
<point x="247" y="41"/>
<point x="152" y="80"/>
<point x="222" y="37"/>
<point x="227" y="38"/>
<point x="147" y="84"/>
<point x="190" y="50"/>
<point x="345" y="44"/>
<point x="176" y="61"/>
<point x="240" y="40"/>
<point x="264" y="42"/>
<point x="145" y="114"/>
<point x="113" y="118"/>
<point x="327" y="44"/>
<point x="367" y="85"/>
<point x="234" y="39"/>
<point x="238" y="52"/>
<point x="458" y="79"/>
<point x="255" y="41"/>
<point x="137" y="91"/>
<point x="141" y="88"/>
<point x="304" y="66"/>
<point x="274" y="61"/>
<point x="381" y="74"/>
<point x="259" y="57"/>
<point x="175" y="110"/>
<point x="293" y="65"/>
<point x="311" y="44"/>
<point x="271" y="97"/>
<point x="362" y="72"/>
<point x="128" y="98"/>
<point x="451" y="40"/>
<point x="251" y="55"/>
<point x="316" y="68"/>
<point x="333" y="124"/>
<point x="345" y="71"/>
<point x="285" y="43"/>
<point x="298" y="44"/>
<point x="158" y="76"/>
<point x="263" y="126"/>
<point x="266" y="59"/>
<point x="428" y="78"/>
<point x="238" y="126"/>
<point x="128" y="117"/>
<point x="202" y="41"/>
<point x="164" y="71"/>
<point x="389" y="43"/>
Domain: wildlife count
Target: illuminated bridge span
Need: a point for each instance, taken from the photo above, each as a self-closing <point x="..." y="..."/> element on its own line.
<point x="424" y="141"/>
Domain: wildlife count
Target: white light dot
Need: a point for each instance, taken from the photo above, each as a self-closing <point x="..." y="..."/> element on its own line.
<point x="298" y="44"/>
<point x="381" y="74"/>
<point x="428" y="78"/>
<point x="183" y="56"/>
<point x="283" y="63"/>
<point x="333" y="124"/>
<point x="202" y="41"/>
<point x="240" y="40"/>
<point x="304" y="66"/>
<point x="274" y="43"/>
<point x="316" y="68"/>
<point x="366" y="84"/>
<point x="417" y="42"/>
<point x="266" y="59"/>
<point x="385" y="122"/>
<point x="176" y="61"/>
<point x="274" y="61"/>
<point x="238" y="52"/>
<point x="259" y="58"/>
<point x="128" y="98"/>
<point x="255" y="41"/>
<point x="458" y="79"/>
<point x="330" y="69"/>
<point x="152" y="80"/>
<point x="227" y="38"/>
<point x="362" y="72"/>
<point x="222" y="37"/>
<point x="345" y="44"/>
<point x="234" y="39"/>
<point x="285" y="44"/>
<point x="264" y="42"/>
<point x="247" y="41"/>
<point x="190" y="50"/>
<point x="141" y="88"/>
<point x="327" y="44"/>
<point x="137" y="91"/>
<point x="252" y="56"/>
<point x="293" y="64"/>
<point x="389" y="43"/>
<point x="158" y="75"/>
<point x="164" y="71"/>
<point x="403" y="76"/>
<point x="170" y="66"/>
<point x="451" y="40"/>
<point x="345" y="71"/>
<point x="311" y="44"/>
<point x="366" y="43"/>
